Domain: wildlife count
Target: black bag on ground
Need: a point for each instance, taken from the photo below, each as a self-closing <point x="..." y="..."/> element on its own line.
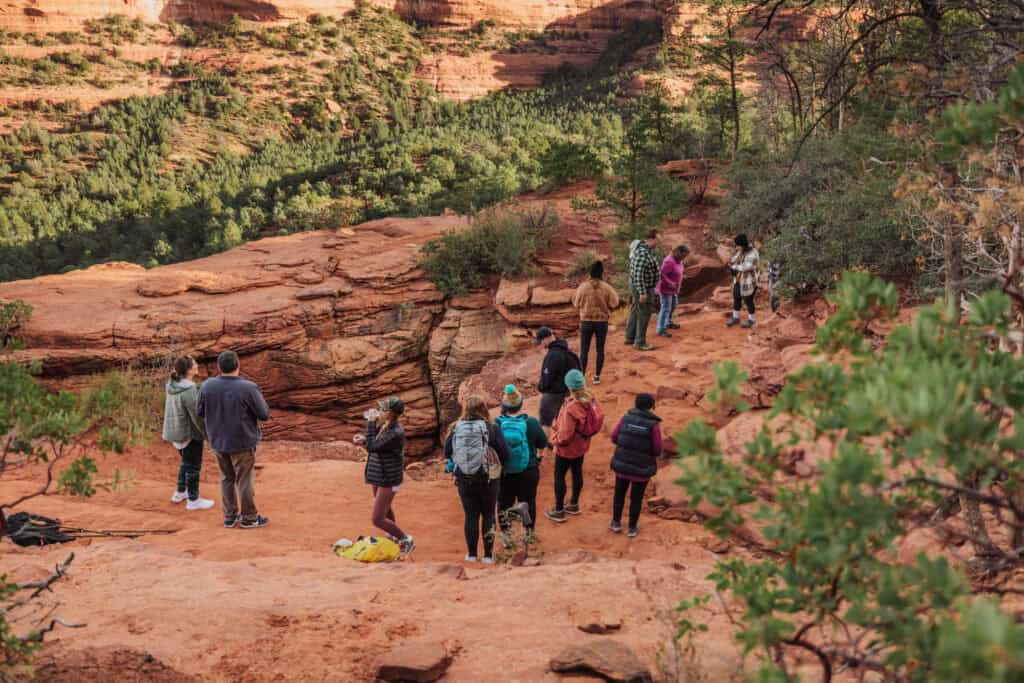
<point x="27" y="529"/>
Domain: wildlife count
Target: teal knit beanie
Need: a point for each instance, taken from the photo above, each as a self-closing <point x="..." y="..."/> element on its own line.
<point x="575" y="381"/>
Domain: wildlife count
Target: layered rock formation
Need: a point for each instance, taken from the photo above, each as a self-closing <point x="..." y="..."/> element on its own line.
<point x="60" y="15"/>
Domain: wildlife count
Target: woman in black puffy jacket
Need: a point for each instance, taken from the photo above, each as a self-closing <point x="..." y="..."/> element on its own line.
<point x="637" y="440"/>
<point x="385" y="466"/>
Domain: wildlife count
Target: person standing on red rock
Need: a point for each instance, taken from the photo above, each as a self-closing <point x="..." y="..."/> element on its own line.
<point x="672" y="272"/>
<point x="638" y="446"/>
<point x="578" y="421"/>
<point x="643" y="276"/>
<point x="467" y="446"/>
<point x="233" y="408"/>
<point x="558" y="361"/>
<point x="184" y="428"/>
<point x="385" y="466"/>
<point x="745" y="265"/>
<point x="521" y="474"/>
<point x="596" y="300"/>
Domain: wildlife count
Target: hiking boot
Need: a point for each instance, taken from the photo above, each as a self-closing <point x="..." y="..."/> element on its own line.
<point x="733" y="322"/>
<point x="199" y="504"/>
<point x="256" y="523"/>
<point x="179" y="497"/>
<point x="556" y="516"/>
<point x="673" y="326"/>
<point x="231" y="523"/>
<point x="597" y="380"/>
<point x="406" y="546"/>
<point x="573" y="508"/>
<point x="644" y="347"/>
<point x="747" y="324"/>
<point x="487" y="560"/>
<point x="633" y="531"/>
<point x="615" y="527"/>
<point x="470" y="558"/>
<point x="665" y="333"/>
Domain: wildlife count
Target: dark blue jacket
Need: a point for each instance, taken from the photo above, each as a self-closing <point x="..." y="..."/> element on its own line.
<point x="634" y="446"/>
<point x="232" y="408"/>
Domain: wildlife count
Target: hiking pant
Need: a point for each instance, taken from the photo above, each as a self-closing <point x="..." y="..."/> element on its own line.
<point x="737" y="299"/>
<point x="383" y="515"/>
<point x="590" y="329"/>
<point x="519" y="488"/>
<point x="668" y="305"/>
<point x="562" y="467"/>
<point x="479" y="497"/>
<point x="238" y="483"/>
<point x="639" y="318"/>
<point x="188" y="471"/>
<point x="636" y="500"/>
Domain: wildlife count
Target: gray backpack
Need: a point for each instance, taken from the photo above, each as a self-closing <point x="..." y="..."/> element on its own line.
<point x="470" y="450"/>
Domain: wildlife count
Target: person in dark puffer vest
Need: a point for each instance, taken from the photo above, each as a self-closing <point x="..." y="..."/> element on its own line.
<point x="638" y="446"/>
<point x="385" y="466"/>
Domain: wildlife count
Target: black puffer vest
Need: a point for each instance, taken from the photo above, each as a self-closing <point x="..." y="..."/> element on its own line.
<point x="634" y="449"/>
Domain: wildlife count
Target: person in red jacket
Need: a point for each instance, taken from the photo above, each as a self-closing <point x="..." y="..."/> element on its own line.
<point x="578" y="421"/>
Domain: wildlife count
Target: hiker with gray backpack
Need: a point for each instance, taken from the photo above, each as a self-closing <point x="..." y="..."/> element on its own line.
<point x="521" y="474"/>
<point x="477" y="453"/>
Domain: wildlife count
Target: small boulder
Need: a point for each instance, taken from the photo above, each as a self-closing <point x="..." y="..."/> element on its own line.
<point x="598" y="623"/>
<point x="609" y="659"/>
<point x="418" y="662"/>
<point x="309" y="277"/>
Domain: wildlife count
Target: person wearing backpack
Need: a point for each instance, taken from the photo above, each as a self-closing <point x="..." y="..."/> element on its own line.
<point x="521" y="474"/>
<point x="558" y="361"/>
<point x="477" y="473"/>
<point x="186" y="431"/>
<point x="638" y="446"/>
<point x="578" y="421"/>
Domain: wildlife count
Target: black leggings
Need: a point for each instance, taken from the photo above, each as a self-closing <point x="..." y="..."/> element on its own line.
<point x="479" y="499"/>
<point x="521" y="487"/>
<point x="562" y="467"/>
<point x="188" y="470"/>
<point x="598" y="331"/>
<point x="636" y="500"/>
<point x="737" y="299"/>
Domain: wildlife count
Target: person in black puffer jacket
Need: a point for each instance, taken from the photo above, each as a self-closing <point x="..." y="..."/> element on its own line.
<point x="385" y="466"/>
<point x="638" y="445"/>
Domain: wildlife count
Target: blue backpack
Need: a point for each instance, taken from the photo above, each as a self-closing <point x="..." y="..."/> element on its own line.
<point x="513" y="428"/>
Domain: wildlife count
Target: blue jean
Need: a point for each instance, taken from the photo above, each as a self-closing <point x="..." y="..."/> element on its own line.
<point x="668" y="304"/>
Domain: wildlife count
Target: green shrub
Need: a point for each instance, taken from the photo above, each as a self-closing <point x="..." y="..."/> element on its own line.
<point x="498" y="241"/>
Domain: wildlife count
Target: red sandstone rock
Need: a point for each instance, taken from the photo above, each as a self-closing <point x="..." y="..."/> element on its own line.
<point x="608" y="659"/>
<point x="422" y="662"/>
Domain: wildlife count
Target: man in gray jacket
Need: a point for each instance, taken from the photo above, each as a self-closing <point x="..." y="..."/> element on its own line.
<point x="233" y="408"/>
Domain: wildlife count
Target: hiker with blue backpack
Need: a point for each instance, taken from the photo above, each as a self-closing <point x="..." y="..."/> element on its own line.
<point x="578" y="421"/>
<point x="477" y="453"/>
<point x="521" y="474"/>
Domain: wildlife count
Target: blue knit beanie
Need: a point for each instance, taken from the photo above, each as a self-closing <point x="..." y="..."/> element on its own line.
<point x="575" y="380"/>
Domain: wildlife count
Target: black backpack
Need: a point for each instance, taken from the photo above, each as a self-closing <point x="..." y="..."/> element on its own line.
<point x="27" y="529"/>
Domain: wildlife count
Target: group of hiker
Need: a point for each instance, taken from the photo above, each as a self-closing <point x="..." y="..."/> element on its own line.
<point x="495" y="464"/>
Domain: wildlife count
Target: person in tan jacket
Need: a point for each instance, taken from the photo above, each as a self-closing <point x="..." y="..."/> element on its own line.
<point x="595" y="299"/>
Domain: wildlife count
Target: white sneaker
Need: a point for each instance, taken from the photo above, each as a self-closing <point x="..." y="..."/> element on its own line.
<point x="179" y="496"/>
<point x="488" y="560"/>
<point x="199" y="504"/>
<point x="471" y="558"/>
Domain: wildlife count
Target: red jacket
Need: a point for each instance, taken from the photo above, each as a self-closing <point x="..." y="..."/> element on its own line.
<point x="566" y="436"/>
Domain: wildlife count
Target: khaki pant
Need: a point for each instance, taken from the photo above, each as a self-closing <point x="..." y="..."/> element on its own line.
<point x="238" y="481"/>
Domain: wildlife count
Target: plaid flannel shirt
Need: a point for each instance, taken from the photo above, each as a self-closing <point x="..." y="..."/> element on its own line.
<point x="747" y="266"/>
<point x="643" y="269"/>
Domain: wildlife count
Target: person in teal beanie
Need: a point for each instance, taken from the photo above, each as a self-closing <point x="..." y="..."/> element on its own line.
<point x="521" y="474"/>
<point x="578" y="421"/>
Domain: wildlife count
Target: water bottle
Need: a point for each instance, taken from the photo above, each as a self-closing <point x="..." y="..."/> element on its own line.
<point x="372" y="414"/>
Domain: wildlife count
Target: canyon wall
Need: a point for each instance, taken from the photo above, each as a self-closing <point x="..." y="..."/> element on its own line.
<point x="62" y="15"/>
<point x="325" y="322"/>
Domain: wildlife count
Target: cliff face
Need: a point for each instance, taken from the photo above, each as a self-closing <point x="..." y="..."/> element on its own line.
<point x="326" y="322"/>
<point x="59" y="15"/>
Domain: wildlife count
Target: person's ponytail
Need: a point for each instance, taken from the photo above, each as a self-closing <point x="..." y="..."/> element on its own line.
<point x="181" y="368"/>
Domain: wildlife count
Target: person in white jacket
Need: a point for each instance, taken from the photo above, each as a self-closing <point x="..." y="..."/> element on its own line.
<point x="746" y="266"/>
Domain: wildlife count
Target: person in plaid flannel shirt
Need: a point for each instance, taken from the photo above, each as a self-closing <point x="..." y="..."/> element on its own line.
<point x="644" y="272"/>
